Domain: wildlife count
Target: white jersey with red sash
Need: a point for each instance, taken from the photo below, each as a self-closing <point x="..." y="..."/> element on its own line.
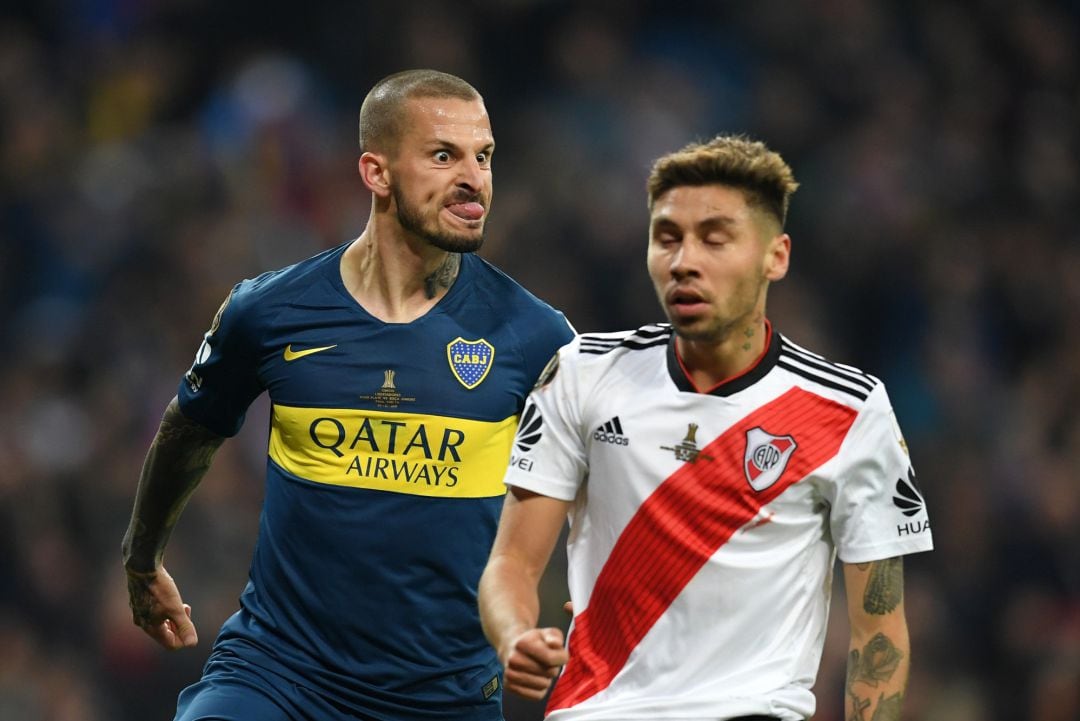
<point x="705" y="525"/>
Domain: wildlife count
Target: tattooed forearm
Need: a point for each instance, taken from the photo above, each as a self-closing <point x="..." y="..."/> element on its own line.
<point x="875" y="664"/>
<point x="885" y="587"/>
<point x="887" y="709"/>
<point x="877" y="661"/>
<point x="443" y="276"/>
<point x="179" y="457"/>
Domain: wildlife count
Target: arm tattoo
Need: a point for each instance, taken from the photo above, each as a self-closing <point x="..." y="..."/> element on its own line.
<point x="888" y="709"/>
<point x="443" y="276"/>
<point x="876" y="663"/>
<point x="179" y="457"/>
<point x="885" y="587"/>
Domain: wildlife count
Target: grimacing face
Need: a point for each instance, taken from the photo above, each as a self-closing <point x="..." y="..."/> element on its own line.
<point x="440" y="173"/>
<point x="711" y="257"/>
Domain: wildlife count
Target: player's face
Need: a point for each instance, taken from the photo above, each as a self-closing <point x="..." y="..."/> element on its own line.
<point x="441" y="172"/>
<point x="710" y="258"/>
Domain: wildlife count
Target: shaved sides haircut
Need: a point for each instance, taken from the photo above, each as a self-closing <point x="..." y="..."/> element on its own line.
<point x="382" y="115"/>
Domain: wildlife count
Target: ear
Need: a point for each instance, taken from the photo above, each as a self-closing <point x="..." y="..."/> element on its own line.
<point x="777" y="257"/>
<point x="375" y="172"/>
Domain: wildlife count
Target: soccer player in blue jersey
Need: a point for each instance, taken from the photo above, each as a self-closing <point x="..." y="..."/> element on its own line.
<point x="396" y="365"/>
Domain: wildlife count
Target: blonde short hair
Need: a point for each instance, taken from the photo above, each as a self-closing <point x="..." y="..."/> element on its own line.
<point x="383" y="113"/>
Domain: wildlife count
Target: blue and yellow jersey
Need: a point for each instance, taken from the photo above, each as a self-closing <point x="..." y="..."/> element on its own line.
<point x="388" y="443"/>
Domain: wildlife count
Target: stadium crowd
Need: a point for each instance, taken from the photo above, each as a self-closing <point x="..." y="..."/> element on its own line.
<point x="151" y="153"/>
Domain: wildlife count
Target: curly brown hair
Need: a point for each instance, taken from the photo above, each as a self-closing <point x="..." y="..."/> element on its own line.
<point x="732" y="160"/>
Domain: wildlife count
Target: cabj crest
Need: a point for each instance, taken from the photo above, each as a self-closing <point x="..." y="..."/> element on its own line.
<point x="470" y="360"/>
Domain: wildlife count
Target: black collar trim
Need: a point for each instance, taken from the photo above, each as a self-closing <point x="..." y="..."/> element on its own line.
<point x="734" y="385"/>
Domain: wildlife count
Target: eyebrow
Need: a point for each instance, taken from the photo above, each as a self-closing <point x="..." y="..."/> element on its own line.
<point x="713" y="221"/>
<point x="444" y="143"/>
<point x="717" y="221"/>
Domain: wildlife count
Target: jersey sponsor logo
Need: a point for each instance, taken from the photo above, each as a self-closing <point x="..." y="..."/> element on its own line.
<point x="908" y="497"/>
<point x="425" y="455"/>
<point x="388" y="395"/>
<point x="528" y="435"/>
<point x="290" y="355"/>
<point x="529" y="429"/>
<point x="909" y="500"/>
<point x="611" y="432"/>
<point x="687" y="450"/>
<point x="766" y="457"/>
<point x="470" y="360"/>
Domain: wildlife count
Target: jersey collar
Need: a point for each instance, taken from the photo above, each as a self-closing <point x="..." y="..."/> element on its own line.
<point x="731" y="385"/>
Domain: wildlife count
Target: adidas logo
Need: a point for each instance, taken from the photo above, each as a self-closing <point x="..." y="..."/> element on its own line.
<point x="611" y="432"/>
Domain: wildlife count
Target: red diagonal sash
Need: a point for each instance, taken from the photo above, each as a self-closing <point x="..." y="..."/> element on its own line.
<point x="679" y="527"/>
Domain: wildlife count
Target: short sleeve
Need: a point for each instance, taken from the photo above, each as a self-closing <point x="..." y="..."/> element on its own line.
<point x="551" y="333"/>
<point x="877" y="508"/>
<point x="549" y="455"/>
<point x="223" y="381"/>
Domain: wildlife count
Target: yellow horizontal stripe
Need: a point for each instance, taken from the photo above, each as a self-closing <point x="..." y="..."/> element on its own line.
<point x="424" y="455"/>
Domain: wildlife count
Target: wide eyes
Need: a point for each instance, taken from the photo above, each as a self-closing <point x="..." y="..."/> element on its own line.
<point x="444" y="157"/>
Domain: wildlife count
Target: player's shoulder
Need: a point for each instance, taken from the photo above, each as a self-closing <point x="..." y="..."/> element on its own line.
<point x="258" y="299"/>
<point x="502" y="294"/>
<point x="591" y="359"/>
<point x="254" y="302"/>
<point x="285" y="282"/>
<point x="595" y="354"/>
<point x="500" y="287"/>
<point x="847" y="383"/>
<point x="625" y="342"/>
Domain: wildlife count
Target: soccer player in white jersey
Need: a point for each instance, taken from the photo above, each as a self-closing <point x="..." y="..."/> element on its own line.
<point x="712" y="471"/>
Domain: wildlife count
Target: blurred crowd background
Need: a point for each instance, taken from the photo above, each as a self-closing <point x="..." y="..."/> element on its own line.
<point x="154" y="152"/>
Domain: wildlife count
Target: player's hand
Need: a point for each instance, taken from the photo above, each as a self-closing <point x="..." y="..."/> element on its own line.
<point x="532" y="660"/>
<point x="156" y="608"/>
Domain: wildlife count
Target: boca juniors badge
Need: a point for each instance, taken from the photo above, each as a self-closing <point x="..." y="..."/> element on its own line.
<point x="766" y="457"/>
<point x="470" y="360"/>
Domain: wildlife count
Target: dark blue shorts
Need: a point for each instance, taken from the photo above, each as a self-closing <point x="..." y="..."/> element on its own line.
<point x="233" y="689"/>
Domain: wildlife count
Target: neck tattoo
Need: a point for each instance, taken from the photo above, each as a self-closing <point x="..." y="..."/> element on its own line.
<point x="749" y="333"/>
<point x="443" y="276"/>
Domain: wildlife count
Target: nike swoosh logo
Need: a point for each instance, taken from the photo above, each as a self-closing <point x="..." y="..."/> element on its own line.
<point x="291" y="355"/>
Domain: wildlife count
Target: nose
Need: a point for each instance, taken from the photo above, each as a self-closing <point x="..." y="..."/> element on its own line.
<point x="684" y="259"/>
<point x="471" y="175"/>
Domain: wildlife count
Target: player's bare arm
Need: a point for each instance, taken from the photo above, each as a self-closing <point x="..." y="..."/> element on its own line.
<point x="879" y="653"/>
<point x="179" y="457"/>
<point x="509" y="604"/>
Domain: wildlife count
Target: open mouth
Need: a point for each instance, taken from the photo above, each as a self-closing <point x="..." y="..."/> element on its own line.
<point x="685" y="301"/>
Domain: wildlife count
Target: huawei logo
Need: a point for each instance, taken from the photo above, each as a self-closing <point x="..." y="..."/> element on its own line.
<point x="908" y="498"/>
<point x="528" y="432"/>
